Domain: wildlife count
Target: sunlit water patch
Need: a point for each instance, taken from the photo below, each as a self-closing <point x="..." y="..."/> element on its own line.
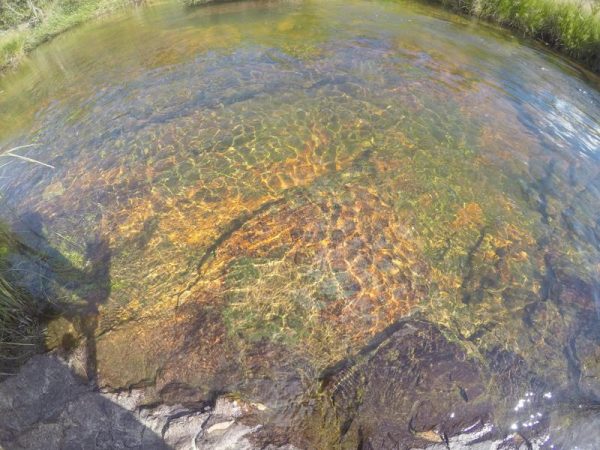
<point x="275" y="185"/>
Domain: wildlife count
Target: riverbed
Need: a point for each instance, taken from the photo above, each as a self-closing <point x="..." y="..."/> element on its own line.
<point x="264" y="194"/>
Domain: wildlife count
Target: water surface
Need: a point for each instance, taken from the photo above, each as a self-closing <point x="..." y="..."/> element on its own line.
<point x="280" y="182"/>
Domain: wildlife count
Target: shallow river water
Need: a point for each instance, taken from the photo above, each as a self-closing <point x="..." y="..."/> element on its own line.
<point x="262" y="196"/>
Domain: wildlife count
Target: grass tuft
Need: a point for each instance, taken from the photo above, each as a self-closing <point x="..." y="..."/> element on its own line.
<point x="19" y="328"/>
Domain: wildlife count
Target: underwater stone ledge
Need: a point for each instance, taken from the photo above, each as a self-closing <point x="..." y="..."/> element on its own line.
<point x="411" y="387"/>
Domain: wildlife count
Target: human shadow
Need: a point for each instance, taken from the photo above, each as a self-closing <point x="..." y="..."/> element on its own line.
<point x="46" y="404"/>
<point x="59" y="287"/>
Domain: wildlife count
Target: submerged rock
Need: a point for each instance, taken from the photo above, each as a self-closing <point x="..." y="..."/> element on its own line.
<point x="587" y="352"/>
<point x="575" y="430"/>
<point x="414" y="389"/>
<point x="410" y="388"/>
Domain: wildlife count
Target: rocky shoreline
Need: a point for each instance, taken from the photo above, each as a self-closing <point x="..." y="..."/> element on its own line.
<point x="411" y="390"/>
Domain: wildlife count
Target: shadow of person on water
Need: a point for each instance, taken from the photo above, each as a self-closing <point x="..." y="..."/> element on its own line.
<point x="60" y="288"/>
<point x="47" y="404"/>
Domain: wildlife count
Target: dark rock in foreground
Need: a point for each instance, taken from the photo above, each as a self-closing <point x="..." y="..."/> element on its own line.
<point x="46" y="407"/>
<point x="416" y="388"/>
<point x="411" y="388"/>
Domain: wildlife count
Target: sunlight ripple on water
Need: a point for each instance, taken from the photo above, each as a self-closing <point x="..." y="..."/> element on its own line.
<point x="284" y="186"/>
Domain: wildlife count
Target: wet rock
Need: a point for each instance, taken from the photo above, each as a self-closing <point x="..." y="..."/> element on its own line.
<point x="577" y="429"/>
<point x="587" y="349"/>
<point x="413" y="389"/>
<point x="511" y="375"/>
<point x="474" y="437"/>
<point x="181" y="432"/>
<point x="226" y="436"/>
<point x="221" y="427"/>
<point x="46" y="407"/>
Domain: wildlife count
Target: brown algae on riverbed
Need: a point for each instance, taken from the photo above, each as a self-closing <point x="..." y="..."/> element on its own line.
<point x="276" y="193"/>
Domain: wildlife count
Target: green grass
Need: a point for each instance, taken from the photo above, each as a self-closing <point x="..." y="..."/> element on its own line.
<point x="19" y="329"/>
<point x="569" y="26"/>
<point x="12" y="48"/>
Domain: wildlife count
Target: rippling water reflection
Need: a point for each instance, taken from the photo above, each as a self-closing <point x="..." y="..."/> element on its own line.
<point x="282" y="182"/>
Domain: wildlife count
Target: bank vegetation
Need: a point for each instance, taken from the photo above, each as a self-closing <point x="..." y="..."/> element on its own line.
<point x="571" y="27"/>
<point x="25" y="24"/>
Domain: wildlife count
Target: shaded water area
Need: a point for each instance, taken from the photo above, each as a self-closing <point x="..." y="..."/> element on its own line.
<point x="379" y="220"/>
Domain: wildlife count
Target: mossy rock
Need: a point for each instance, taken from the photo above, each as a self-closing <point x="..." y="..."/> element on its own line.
<point x="62" y="333"/>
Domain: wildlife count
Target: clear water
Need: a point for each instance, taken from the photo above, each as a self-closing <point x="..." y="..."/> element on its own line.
<point x="275" y="183"/>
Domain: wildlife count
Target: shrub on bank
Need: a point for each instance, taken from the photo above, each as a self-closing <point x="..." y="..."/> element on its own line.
<point x="16" y="12"/>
